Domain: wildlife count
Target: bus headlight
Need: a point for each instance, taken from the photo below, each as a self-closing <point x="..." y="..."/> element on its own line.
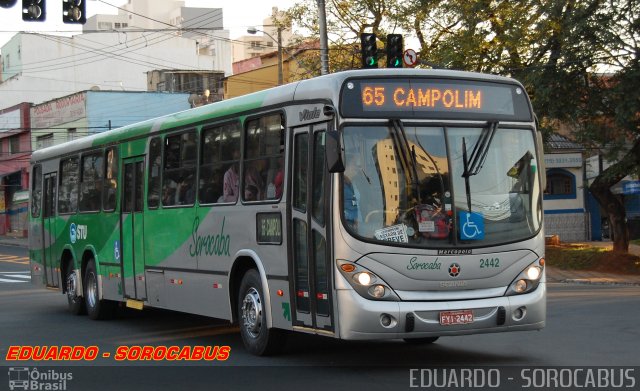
<point x="527" y="280"/>
<point x="364" y="278"/>
<point x="534" y="272"/>
<point x="377" y="291"/>
<point x="365" y="282"/>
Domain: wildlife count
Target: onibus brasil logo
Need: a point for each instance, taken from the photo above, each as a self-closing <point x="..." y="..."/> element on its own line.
<point x="23" y="378"/>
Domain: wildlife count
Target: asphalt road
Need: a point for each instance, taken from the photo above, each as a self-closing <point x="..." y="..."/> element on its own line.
<point x="587" y="326"/>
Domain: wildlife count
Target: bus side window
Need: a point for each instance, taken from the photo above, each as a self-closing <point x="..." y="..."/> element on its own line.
<point x="155" y="165"/>
<point x="219" y="161"/>
<point x="264" y="159"/>
<point x="178" y="180"/>
<point x="91" y="182"/>
<point x="110" y="187"/>
<point x="68" y="188"/>
<point x="36" y="192"/>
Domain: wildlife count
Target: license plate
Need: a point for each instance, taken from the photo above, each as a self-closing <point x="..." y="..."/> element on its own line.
<point x="448" y="318"/>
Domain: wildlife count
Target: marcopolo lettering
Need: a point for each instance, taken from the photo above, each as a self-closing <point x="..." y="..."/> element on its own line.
<point x="307" y="115"/>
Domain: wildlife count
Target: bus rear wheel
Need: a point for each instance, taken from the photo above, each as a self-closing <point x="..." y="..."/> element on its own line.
<point x="76" y="303"/>
<point x="96" y="308"/>
<point x="258" y="339"/>
<point x="420" y="341"/>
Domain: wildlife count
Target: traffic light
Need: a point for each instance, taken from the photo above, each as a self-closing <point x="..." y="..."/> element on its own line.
<point x="394" y="51"/>
<point x="7" y="3"/>
<point x="33" y="10"/>
<point x="73" y="11"/>
<point x="369" y="50"/>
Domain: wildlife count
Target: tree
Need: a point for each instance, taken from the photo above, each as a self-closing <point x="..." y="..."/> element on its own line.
<point x="555" y="48"/>
<point x="346" y="20"/>
<point x="616" y="130"/>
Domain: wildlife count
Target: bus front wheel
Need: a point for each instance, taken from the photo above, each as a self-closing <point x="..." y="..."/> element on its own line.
<point x="96" y="308"/>
<point x="256" y="336"/>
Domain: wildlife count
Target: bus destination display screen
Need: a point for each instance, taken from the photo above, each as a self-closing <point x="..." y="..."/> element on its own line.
<point x="426" y="98"/>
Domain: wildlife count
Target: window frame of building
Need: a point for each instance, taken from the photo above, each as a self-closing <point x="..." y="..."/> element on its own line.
<point x="14" y="144"/>
<point x="44" y="141"/>
<point x="561" y="185"/>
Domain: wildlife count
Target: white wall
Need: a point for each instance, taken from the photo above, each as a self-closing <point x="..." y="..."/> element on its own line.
<point x="51" y="67"/>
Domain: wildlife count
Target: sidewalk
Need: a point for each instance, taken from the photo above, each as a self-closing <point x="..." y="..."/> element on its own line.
<point x="13" y="241"/>
<point x="590" y="277"/>
<point x="553" y="273"/>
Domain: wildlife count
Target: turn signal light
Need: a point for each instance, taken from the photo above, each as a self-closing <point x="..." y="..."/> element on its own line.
<point x="347" y="267"/>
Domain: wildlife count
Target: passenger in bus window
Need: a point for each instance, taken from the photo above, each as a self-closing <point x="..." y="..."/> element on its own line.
<point x="250" y="193"/>
<point x="278" y="181"/>
<point x="185" y="192"/>
<point x="169" y="192"/>
<point x="230" y="182"/>
<point x="253" y="177"/>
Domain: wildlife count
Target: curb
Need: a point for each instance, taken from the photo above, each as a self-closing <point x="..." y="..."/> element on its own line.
<point x="586" y="281"/>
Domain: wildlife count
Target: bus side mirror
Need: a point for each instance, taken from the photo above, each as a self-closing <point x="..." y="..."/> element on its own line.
<point x="334" y="152"/>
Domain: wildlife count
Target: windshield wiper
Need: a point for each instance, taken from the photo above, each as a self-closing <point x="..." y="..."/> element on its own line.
<point x="408" y="157"/>
<point x="473" y="165"/>
<point x="480" y="150"/>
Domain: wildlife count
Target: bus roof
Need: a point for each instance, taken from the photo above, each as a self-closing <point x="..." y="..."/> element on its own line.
<point x="322" y="87"/>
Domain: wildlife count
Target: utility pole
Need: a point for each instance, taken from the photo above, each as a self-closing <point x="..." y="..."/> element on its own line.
<point x="324" y="41"/>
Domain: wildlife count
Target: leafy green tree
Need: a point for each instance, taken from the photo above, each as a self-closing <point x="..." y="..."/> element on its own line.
<point x="556" y="48"/>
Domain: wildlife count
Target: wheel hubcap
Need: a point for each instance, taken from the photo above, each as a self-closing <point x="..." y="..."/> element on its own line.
<point x="252" y="313"/>
<point x="92" y="288"/>
<point x="72" y="284"/>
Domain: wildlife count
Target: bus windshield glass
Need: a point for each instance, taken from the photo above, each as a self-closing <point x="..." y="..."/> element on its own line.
<point x="408" y="184"/>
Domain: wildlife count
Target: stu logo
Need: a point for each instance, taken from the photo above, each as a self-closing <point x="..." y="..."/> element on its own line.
<point x="208" y="244"/>
<point x="78" y="232"/>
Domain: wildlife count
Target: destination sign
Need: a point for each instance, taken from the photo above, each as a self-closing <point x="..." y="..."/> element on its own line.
<point x="426" y="98"/>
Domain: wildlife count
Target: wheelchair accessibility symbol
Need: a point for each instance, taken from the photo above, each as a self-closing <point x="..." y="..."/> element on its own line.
<point x="471" y="226"/>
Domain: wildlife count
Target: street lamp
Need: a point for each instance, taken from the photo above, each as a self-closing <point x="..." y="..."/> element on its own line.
<point x="253" y="30"/>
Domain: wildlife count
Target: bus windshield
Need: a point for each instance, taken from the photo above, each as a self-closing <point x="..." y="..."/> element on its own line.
<point x="408" y="184"/>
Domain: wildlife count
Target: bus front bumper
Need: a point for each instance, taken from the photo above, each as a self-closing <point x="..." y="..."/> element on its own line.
<point x="361" y="319"/>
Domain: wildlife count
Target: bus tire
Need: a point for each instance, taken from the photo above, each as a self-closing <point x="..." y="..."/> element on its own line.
<point x="96" y="308"/>
<point x="258" y="339"/>
<point x="76" y="303"/>
<point x="420" y="341"/>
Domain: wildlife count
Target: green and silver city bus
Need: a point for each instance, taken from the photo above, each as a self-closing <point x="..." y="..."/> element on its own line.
<point x="369" y="204"/>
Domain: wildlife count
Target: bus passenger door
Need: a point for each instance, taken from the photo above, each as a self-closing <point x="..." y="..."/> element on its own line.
<point x="312" y="301"/>
<point x="132" y="229"/>
<point x="49" y="229"/>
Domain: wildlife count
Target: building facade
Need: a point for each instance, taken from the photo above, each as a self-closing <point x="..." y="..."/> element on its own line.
<point x="39" y="68"/>
<point x="564" y="197"/>
<point x="15" y="150"/>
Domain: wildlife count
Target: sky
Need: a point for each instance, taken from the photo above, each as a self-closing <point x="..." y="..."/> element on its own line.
<point x="237" y="15"/>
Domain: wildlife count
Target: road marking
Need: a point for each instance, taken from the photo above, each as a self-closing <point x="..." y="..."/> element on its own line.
<point x="18" y="260"/>
<point x="25" y="276"/>
<point x="5" y="280"/>
<point x="12" y="277"/>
